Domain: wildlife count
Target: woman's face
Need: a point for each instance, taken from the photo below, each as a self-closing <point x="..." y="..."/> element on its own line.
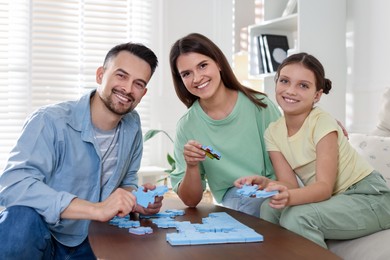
<point x="199" y="73"/>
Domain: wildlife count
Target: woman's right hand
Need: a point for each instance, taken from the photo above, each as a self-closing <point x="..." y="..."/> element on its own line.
<point x="193" y="154"/>
<point x="260" y="181"/>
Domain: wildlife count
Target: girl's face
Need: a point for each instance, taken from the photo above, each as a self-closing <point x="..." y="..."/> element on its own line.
<point x="296" y="90"/>
<point x="200" y="74"/>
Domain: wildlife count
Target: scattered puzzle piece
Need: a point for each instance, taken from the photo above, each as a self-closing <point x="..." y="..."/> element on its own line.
<point x="141" y="230"/>
<point x="217" y="228"/>
<point x="210" y="152"/>
<point x="124" y="222"/>
<point x="165" y="222"/>
<point x="167" y="213"/>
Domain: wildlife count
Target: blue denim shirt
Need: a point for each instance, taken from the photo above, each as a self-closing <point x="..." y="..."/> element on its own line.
<point x="57" y="159"/>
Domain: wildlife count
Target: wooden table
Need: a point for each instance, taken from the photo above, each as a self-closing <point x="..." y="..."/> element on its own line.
<point x="111" y="242"/>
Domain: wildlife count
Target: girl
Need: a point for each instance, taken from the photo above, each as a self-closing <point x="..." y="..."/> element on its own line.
<point x="222" y="114"/>
<point x="342" y="196"/>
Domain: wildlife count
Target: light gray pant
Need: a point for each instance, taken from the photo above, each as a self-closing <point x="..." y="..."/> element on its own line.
<point x="361" y="210"/>
<point x="247" y="205"/>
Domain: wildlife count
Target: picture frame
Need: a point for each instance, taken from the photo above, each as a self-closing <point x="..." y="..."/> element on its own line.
<point x="276" y="47"/>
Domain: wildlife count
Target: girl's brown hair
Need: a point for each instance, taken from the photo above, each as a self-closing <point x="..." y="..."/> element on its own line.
<point x="311" y="63"/>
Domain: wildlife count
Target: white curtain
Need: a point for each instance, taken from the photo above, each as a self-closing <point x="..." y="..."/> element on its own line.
<point x="50" y="50"/>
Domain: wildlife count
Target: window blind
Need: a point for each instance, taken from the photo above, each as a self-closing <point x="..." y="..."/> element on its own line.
<point x="50" y="50"/>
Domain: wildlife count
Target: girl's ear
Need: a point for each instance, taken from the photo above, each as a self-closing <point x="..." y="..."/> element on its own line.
<point x="318" y="95"/>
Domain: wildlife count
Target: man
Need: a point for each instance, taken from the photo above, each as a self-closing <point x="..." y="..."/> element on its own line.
<point x="77" y="161"/>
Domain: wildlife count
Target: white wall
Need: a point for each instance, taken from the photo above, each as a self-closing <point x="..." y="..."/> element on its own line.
<point x="368" y="38"/>
<point x="368" y="41"/>
<point x="177" y="18"/>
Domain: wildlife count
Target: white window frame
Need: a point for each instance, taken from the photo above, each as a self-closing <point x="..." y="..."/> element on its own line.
<point x="50" y="50"/>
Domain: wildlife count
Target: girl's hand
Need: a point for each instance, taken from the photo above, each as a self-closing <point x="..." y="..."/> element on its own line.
<point x="193" y="154"/>
<point x="278" y="201"/>
<point x="260" y="181"/>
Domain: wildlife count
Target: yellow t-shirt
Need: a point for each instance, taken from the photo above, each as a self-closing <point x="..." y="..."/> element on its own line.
<point x="300" y="149"/>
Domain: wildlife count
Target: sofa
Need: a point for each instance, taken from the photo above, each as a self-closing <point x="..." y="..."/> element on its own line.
<point x="374" y="147"/>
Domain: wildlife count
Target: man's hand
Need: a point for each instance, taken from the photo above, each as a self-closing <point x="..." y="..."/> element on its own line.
<point x="120" y="203"/>
<point x="152" y="208"/>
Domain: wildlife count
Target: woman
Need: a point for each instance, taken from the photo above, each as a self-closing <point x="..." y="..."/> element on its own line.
<point x="223" y="114"/>
<point x="343" y="197"/>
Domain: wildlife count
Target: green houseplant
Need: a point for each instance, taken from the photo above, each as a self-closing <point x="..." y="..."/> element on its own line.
<point x="150" y="134"/>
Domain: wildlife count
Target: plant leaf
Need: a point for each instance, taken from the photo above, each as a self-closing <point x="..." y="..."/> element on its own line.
<point x="149" y="134"/>
<point x="152" y="132"/>
<point x="170" y="160"/>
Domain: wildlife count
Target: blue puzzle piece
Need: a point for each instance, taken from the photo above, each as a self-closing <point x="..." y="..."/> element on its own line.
<point x="160" y="190"/>
<point x="252" y="191"/>
<point x="124" y="222"/>
<point x="210" y="152"/>
<point x="146" y="197"/>
<point x="167" y="213"/>
<point x="176" y="212"/>
<point x="217" y="228"/>
<point x="247" y="190"/>
<point x="166" y="222"/>
<point x="141" y="230"/>
<point x="265" y="194"/>
<point x="212" y="231"/>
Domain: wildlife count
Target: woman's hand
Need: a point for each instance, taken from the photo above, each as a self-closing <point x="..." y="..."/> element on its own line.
<point x="260" y="181"/>
<point x="193" y="154"/>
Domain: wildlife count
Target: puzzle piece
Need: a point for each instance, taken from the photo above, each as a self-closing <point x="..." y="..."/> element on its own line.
<point x="247" y="190"/>
<point x="146" y="197"/>
<point x="141" y="230"/>
<point x="124" y="222"/>
<point x="252" y="191"/>
<point x="164" y="222"/>
<point x="167" y="213"/>
<point x="176" y="212"/>
<point x="218" y="228"/>
<point x="210" y="152"/>
<point x="265" y="194"/>
<point x="160" y="190"/>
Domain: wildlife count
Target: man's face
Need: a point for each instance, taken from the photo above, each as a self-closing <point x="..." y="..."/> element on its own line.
<point x="122" y="83"/>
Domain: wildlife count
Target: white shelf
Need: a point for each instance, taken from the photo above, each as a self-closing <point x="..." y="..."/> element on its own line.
<point x="286" y="23"/>
<point x="318" y="28"/>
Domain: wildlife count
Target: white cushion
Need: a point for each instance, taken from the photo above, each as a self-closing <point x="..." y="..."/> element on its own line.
<point x="372" y="247"/>
<point x="375" y="149"/>
<point x="383" y="126"/>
